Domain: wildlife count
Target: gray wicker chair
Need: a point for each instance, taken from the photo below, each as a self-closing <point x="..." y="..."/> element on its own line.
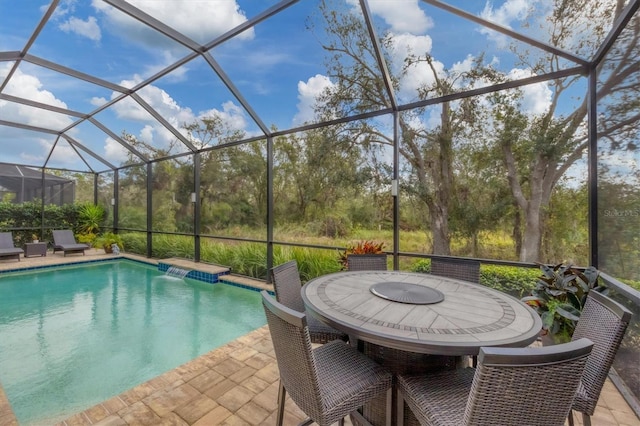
<point x="604" y="321"/>
<point x="367" y="262"/>
<point x="511" y="386"/>
<point x="327" y="383"/>
<point x="462" y="269"/>
<point x="287" y="285"/>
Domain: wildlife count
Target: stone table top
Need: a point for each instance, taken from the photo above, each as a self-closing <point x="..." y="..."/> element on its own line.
<point x="470" y="315"/>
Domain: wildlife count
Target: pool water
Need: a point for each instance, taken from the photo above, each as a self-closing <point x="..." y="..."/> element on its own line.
<point x="72" y="337"/>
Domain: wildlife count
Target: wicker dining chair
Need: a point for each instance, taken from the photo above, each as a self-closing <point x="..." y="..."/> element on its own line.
<point x="511" y="387"/>
<point x="367" y="262"/>
<point x="462" y="269"/>
<point x="287" y="284"/>
<point x="604" y="321"/>
<point x="327" y="383"/>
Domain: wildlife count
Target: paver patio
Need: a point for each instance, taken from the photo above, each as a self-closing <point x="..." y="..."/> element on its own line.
<point x="236" y="384"/>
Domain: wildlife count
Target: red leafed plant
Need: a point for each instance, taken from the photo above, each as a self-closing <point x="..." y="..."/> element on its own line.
<point x="363" y="247"/>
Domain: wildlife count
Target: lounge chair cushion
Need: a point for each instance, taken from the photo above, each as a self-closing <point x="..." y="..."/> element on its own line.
<point x="63" y="240"/>
<point x="7" y="249"/>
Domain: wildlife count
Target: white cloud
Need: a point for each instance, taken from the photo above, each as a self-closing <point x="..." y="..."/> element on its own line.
<point x="115" y="152"/>
<point x="417" y="75"/>
<point x="29" y="87"/>
<point x="62" y="154"/>
<point x="509" y="11"/>
<point x="308" y="94"/>
<point x="231" y="114"/>
<point x="98" y="101"/>
<point x="155" y="133"/>
<point x="401" y="15"/>
<point x="536" y="97"/>
<point x="201" y="20"/>
<point x="88" y="28"/>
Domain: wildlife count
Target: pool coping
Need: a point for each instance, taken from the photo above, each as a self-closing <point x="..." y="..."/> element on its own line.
<point x="203" y="272"/>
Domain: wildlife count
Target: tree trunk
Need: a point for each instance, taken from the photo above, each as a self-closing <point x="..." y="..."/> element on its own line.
<point x="530" y="248"/>
<point x="517" y="229"/>
<point x="442" y="178"/>
<point x="541" y="181"/>
<point x="440" y="229"/>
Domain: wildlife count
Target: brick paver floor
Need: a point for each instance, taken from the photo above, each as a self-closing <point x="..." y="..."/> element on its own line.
<point x="236" y="384"/>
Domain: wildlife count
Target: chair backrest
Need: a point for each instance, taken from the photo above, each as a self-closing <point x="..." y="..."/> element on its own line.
<point x="292" y="345"/>
<point x="367" y="262"/>
<point x="603" y="321"/>
<point x="287" y="284"/>
<point x="63" y="236"/>
<point x="462" y="269"/>
<point x="6" y="240"/>
<point x="526" y="386"/>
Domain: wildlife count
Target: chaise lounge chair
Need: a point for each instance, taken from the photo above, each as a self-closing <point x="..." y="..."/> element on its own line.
<point x="64" y="241"/>
<point x="7" y="249"/>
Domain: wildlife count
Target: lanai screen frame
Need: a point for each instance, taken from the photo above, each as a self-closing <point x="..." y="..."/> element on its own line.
<point x="584" y="67"/>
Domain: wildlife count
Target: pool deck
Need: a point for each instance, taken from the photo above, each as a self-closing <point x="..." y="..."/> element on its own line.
<point x="236" y="384"/>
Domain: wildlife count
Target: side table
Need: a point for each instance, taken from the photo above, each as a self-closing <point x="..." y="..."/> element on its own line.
<point x="35" y="249"/>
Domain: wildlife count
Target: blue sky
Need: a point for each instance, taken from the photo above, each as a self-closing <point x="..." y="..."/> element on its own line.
<point x="277" y="66"/>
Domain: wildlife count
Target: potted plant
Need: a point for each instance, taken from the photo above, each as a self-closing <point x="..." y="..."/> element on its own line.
<point x="107" y="240"/>
<point x="35" y="238"/>
<point x="559" y="296"/>
<point x="363" y="247"/>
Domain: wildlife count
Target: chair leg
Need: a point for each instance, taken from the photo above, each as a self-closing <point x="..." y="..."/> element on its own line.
<point x="282" y="393"/>
<point x="586" y="419"/>
<point x="400" y="408"/>
<point x="570" y="418"/>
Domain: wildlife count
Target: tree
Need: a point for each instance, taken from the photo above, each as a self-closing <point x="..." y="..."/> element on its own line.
<point x="313" y="172"/>
<point x="359" y="87"/>
<point x="538" y="150"/>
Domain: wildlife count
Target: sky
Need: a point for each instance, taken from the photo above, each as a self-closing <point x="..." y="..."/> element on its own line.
<point x="276" y="66"/>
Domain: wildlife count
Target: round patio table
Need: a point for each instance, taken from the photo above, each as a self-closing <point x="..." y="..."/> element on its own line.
<point x="467" y="317"/>
<point x="417" y="323"/>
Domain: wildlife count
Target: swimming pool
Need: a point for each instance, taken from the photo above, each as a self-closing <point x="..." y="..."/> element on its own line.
<point x="71" y="337"/>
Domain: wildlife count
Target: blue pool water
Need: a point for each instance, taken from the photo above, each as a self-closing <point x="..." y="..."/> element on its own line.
<point x="72" y="337"/>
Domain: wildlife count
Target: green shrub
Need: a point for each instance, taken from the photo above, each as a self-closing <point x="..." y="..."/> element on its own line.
<point x="135" y="242"/>
<point x="107" y="240"/>
<point x="90" y="218"/>
<point x="513" y="280"/>
<point x="422" y="266"/>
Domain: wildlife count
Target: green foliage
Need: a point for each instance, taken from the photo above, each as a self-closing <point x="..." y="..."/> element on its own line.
<point x="311" y="262"/>
<point x="632" y="283"/>
<point x="86" y="238"/>
<point x="90" y="218"/>
<point x="332" y="226"/>
<point x="362" y="247"/>
<point x="512" y="280"/>
<point x="423" y="266"/>
<point x="165" y="246"/>
<point x="107" y="239"/>
<point x="559" y="296"/>
<point x="135" y="242"/>
<point x="25" y="219"/>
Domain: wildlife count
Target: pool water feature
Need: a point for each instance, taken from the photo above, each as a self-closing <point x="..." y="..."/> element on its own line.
<point x="71" y="337"/>
<point x="178" y="272"/>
